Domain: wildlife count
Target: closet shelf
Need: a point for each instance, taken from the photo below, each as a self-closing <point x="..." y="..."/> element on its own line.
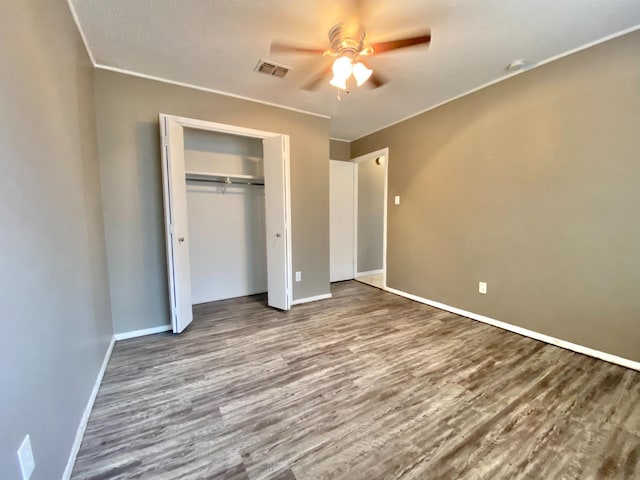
<point x="225" y="178"/>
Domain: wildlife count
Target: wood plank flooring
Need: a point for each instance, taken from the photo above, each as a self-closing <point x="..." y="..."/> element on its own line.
<point x="366" y="385"/>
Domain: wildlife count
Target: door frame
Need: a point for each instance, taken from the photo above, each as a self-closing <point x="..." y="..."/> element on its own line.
<point x="205" y="125"/>
<point x="363" y="158"/>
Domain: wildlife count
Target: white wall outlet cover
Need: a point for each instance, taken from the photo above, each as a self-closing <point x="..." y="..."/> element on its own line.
<point x="396" y="200"/>
<point x="298" y="276"/>
<point x="482" y="287"/>
<point x="25" y="458"/>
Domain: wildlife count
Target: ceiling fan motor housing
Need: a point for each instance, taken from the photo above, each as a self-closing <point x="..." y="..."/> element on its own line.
<point x="346" y="41"/>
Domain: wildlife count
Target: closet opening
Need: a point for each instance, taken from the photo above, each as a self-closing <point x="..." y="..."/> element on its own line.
<point x="225" y="208"/>
<point x="227" y="211"/>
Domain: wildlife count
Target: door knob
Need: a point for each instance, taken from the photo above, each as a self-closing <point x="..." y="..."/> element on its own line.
<point x="278" y="235"/>
<point x="181" y="239"/>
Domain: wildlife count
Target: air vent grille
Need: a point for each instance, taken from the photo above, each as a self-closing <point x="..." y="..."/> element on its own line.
<point x="272" y="68"/>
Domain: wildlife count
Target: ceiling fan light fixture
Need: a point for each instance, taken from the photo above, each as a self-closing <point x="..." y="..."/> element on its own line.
<point x="346" y="46"/>
<point x="361" y="73"/>
<point x="339" y="82"/>
<point x="342" y="68"/>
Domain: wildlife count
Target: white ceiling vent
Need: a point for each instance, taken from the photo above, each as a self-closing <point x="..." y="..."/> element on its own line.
<point x="272" y="68"/>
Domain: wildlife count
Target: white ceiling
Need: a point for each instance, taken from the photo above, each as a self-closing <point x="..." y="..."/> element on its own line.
<point x="215" y="44"/>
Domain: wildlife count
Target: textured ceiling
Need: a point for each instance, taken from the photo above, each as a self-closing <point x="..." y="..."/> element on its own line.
<point x="216" y="44"/>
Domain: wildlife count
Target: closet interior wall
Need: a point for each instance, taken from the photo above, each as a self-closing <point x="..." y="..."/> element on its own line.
<point x="227" y="243"/>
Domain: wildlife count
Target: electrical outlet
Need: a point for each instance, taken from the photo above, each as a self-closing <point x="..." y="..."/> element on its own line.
<point x="25" y="458"/>
<point x="482" y="288"/>
<point x="298" y="276"/>
<point x="396" y="200"/>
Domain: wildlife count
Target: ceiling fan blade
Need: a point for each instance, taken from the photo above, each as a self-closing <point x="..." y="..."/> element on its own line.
<point x="376" y="80"/>
<point x="314" y="82"/>
<point x="382" y="47"/>
<point x="281" y="47"/>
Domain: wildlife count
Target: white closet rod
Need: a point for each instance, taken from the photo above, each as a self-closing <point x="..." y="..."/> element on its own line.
<point x="224" y="179"/>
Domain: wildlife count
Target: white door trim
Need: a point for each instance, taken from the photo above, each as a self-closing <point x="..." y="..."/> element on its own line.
<point x="222" y="127"/>
<point x="363" y="158"/>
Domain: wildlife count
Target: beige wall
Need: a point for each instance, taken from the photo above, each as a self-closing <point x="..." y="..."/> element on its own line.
<point x="128" y="140"/>
<point x="56" y="322"/>
<point x="532" y="185"/>
<point x="339" y="150"/>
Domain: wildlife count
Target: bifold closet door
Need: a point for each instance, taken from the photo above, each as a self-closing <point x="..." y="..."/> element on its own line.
<point x="176" y="222"/>
<point x="277" y="223"/>
<point x="277" y="220"/>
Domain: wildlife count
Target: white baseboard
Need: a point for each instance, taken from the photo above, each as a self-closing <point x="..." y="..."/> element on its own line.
<point x="607" y="357"/>
<point x="141" y="333"/>
<point x="75" y="448"/>
<point x="370" y="272"/>
<point x="311" y="299"/>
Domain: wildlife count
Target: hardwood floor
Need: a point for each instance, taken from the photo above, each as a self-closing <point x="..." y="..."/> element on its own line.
<point x="366" y="385"/>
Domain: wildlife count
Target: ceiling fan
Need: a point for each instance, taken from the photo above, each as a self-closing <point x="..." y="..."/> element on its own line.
<point x="347" y="46"/>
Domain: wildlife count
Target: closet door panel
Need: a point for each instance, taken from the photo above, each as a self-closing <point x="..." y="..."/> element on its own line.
<point x="176" y="223"/>
<point x="277" y="224"/>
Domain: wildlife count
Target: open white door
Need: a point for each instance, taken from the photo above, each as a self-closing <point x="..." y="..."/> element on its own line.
<point x="277" y="224"/>
<point x="176" y="224"/>
<point x="341" y="223"/>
